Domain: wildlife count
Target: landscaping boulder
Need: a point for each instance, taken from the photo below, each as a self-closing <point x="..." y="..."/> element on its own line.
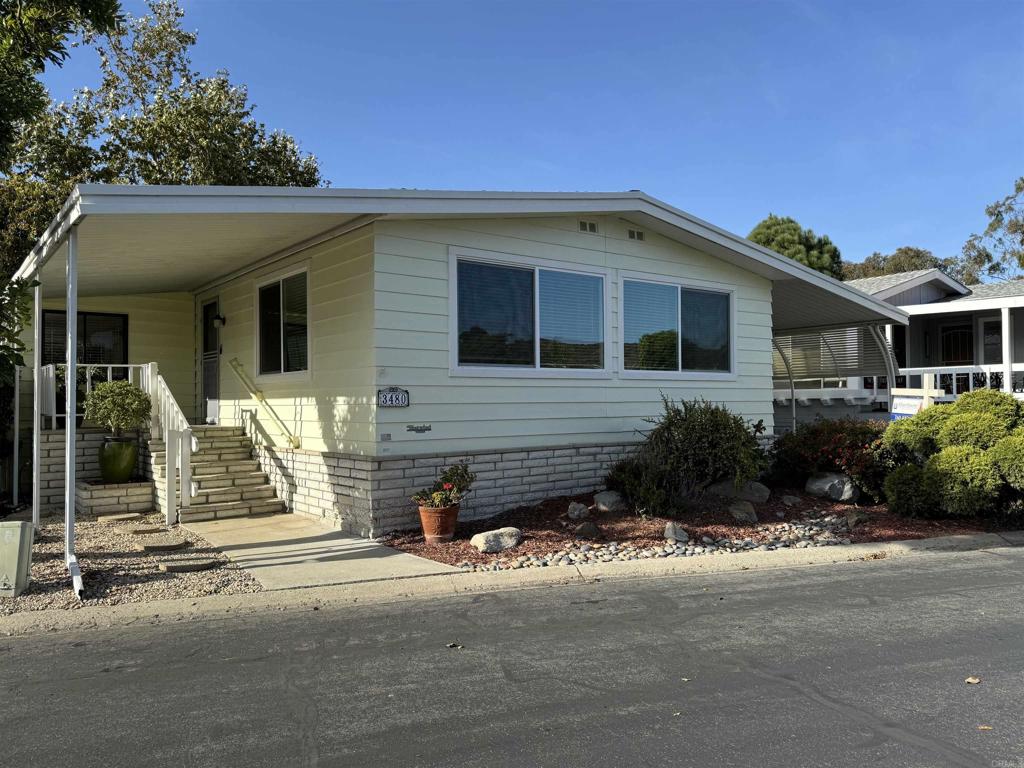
<point x="674" y="532"/>
<point x="587" y="530"/>
<point x="750" y="491"/>
<point x="578" y="511"/>
<point x="743" y="512"/>
<point x="497" y="540"/>
<point x="610" y="501"/>
<point x="791" y="501"/>
<point x="832" y="485"/>
<point x="856" y="517"/>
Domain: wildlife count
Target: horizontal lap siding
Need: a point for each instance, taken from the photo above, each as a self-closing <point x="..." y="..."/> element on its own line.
<point x="331" y="409"/>
<point x="159" y="330"/>
<point x="470" y="413"/>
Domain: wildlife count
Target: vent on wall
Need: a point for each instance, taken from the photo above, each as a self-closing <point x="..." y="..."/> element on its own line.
<point x="588" y="226"/>
<point x="636" y="234"/>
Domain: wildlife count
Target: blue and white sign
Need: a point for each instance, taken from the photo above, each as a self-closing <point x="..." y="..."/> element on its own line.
<point x="905" y="406"/>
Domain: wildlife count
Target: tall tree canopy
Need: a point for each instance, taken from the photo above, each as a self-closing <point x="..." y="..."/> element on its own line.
<point x="785" y="235"/>
<point x="151" y="120"/>
<point x="907" y="259"/>
<point x="999" y="250"/>
<point x="34" y="33"/>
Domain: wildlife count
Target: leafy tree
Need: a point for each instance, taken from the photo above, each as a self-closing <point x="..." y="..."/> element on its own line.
<point x="151" y="120"/>
<point x="785" y="235"/>
<point x="906" y="259"/>
<point x="999" y="250"/>
<point x="34" y="33"/>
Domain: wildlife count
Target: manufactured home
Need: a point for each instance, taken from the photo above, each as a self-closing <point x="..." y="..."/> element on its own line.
<point x="324" y="351"/>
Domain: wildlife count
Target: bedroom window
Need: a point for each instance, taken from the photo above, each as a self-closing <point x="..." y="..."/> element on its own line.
<point x="676" y="328"/>
<point x="528" y="317"/>
<point x="283" y="313"/>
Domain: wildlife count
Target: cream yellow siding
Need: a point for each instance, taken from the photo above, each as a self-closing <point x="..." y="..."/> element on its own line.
<point x="330" y="407"/>
<point x="159" y="330"/>
<point x="481" y="413"/>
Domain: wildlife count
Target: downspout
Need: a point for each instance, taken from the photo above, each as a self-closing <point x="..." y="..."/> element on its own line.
<point x="792" y="383"/>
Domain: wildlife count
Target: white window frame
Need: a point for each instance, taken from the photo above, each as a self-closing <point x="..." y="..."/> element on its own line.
<point x="278" y="277"/>
<point x="524" y="262"/>
<point x="696" y="285"/>
<point x="979" y="342"/>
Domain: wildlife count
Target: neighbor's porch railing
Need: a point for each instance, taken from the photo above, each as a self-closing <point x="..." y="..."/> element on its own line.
<point x="166" y="419"/>
<point x="954" y="380"/>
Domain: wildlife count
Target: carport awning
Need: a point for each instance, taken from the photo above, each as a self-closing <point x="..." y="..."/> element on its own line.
<point x="832" y="354"/>
<point x="151" y="239"/>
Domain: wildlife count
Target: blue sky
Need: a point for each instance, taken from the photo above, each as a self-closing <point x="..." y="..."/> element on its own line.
<point x="880" y="124"/>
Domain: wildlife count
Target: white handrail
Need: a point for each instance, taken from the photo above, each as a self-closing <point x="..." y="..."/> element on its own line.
<point x="178" y="443"/>
<point x="257" y="394"/>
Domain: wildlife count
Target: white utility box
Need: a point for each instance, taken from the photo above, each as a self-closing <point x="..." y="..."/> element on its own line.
<point x="15" y="557"/>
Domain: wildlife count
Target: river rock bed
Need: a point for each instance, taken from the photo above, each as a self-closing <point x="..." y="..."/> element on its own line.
<point x="830" y="530"/>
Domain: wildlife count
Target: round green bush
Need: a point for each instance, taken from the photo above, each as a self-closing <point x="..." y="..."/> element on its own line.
<point x="908" y="494"/>
<point x="1000" y="404"/>
<point x="918" y="434"/>
<point x="981" y="430"/>
<point x="1008" y="456"/>
<point x="117" y="405"/>
<point x="965" y="479"/>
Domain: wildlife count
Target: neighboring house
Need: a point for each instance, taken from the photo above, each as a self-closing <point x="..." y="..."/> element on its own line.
<point x="967" y="337"/>
<point x="534" y="333"/>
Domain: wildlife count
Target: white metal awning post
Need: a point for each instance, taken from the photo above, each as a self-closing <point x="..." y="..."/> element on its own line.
<point x="37" y="395"/>
<point x="70" y="409"/>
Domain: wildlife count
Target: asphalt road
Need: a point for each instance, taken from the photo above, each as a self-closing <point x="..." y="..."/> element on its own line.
<point x="847" y="665"/>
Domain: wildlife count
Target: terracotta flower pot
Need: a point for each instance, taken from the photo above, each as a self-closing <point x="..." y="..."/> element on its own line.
<point x="439" y="523"/>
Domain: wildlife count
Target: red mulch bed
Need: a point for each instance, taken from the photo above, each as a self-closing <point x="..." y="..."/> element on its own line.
<point x="546" y="527"/>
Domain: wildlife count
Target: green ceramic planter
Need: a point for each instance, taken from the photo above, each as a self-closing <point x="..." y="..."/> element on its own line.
<point x="118" y="456"/>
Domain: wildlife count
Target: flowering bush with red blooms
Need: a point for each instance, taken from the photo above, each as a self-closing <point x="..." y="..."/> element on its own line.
<point x="449" y="489"/>
<point x="851" y="446"/>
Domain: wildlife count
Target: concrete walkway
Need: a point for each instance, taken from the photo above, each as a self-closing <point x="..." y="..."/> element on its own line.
<point x="292" y="551"/>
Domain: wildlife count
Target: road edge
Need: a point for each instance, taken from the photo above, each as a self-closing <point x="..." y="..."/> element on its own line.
<point x="433" y="586"/>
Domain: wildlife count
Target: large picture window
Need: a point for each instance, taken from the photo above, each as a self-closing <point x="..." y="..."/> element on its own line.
<point x="676" y="328"/>
<point x="529" y="317"/>
<point x="102" y="338"/>
<point x="284" y="325"/>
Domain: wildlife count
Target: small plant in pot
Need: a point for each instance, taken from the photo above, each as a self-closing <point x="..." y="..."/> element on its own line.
<point x="119" y="406"/>
<point x="439" y="504"/>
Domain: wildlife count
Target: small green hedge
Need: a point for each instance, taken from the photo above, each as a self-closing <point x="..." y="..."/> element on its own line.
<point x="1008" y="456"/>
<point x="966" y="480"/>
<point x="909" y="494"/>
<point x="994" y="402"/>
<point x="918" y="435"/>
<point x="981" y="430"/>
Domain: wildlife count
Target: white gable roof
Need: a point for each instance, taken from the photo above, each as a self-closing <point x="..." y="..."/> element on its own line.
<point x="148" y="238"/>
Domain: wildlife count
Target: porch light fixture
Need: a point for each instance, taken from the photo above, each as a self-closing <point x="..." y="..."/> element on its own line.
<point x="219" y="321"/>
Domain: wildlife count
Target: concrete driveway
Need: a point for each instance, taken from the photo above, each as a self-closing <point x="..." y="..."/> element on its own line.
<point x="291" y="551"/>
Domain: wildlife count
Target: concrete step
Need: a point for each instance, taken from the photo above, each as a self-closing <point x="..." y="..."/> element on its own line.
<point x="203" y="468"/>
<point x="208" y="454"/>
<point x="233" y="493"/>
<point x="215" y="430"/>
<point x="205" y="482"/>
<point x="195" y="513"/>
<point x="206" y="443"/>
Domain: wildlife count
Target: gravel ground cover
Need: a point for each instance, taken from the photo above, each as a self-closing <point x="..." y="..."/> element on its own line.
<point x="549" y="539"/>
<point x="113" y="571"/>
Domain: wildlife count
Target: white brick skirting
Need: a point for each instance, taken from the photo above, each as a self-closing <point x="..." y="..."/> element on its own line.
<point x="100" y="499"/>
<point x="370" y="496"/>
<point x="87" y="463"/>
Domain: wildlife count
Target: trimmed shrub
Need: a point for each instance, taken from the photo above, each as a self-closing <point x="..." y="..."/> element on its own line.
<point x="117" y="405"/>
<point x="966" y="480"/>
<point x="1002" y="405"/>
<point x="981" y="430"/>
<point x="826" y="445"/>
<point x="1008" y="456"/>
<point x="918" y="434"/>
<point x="693" y="445"/>
<point x="909" y="494"/>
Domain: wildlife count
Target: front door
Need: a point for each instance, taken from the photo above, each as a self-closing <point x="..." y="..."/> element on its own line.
<point x="211" y="359"/>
